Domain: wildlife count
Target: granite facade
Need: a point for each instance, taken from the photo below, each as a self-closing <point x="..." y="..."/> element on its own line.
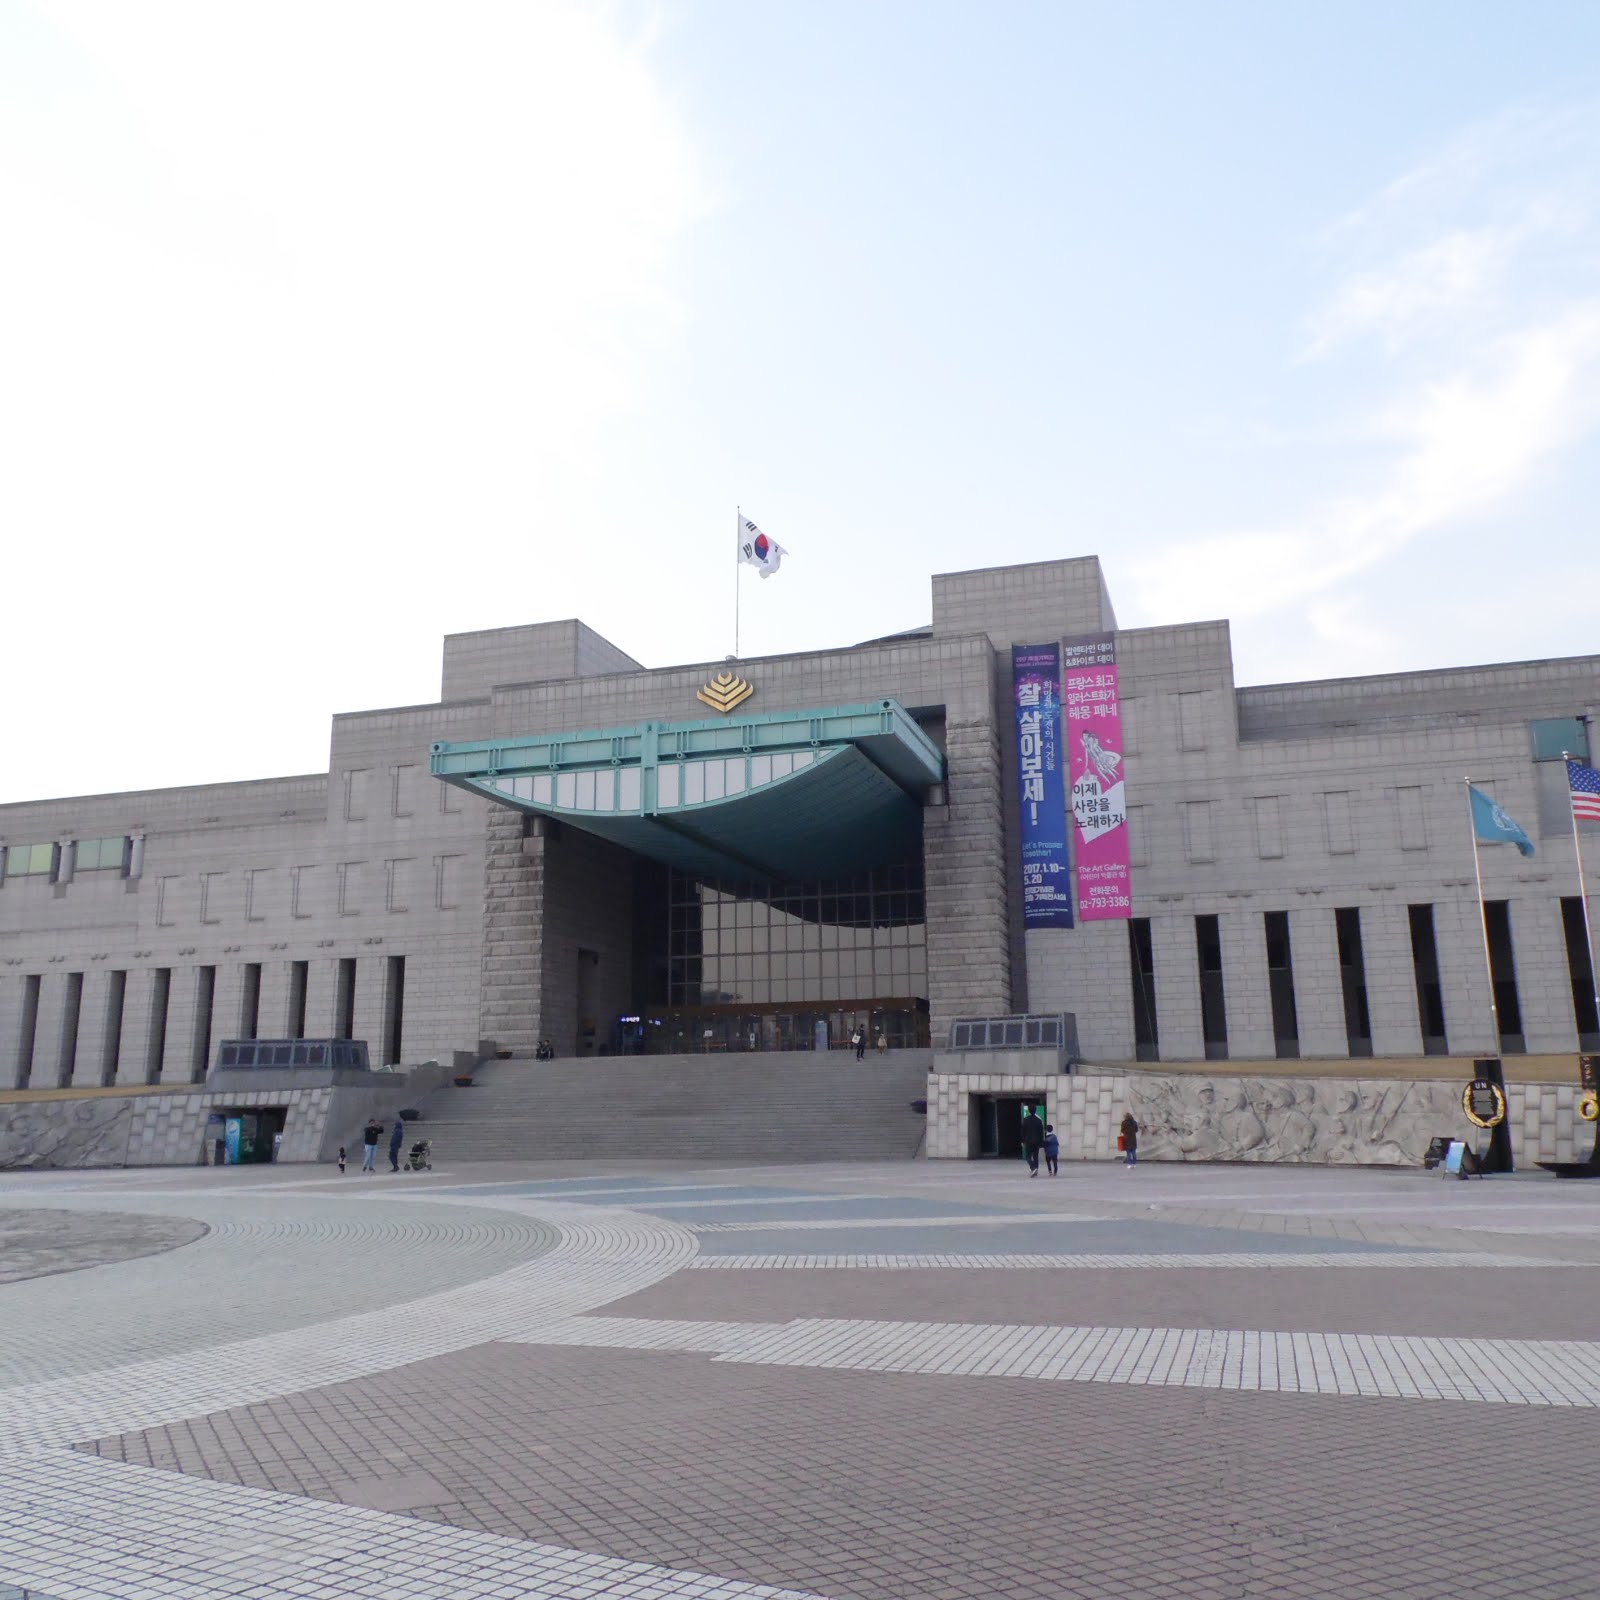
<point x="375" y="900"/>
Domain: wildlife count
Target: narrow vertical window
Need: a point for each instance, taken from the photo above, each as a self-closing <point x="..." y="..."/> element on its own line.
<point x="1353" y="981"/>
<point x="1213" y="1001"/>
<point x="1142" y="971"/>
<point x="1425" y="972"/>
<point x="1280" y="984"/>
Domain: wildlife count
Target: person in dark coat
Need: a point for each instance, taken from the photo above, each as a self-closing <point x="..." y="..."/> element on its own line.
<point x="396" y="1138"/>
<point x="1130" y="1140"/>
<point x="1052" y="1150"/>
<point x="370" y="1135"/>
<point x="1032" y="1140"/>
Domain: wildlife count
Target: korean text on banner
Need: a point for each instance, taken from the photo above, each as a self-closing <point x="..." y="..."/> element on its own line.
<point x="1093" y="709"/>
<point x="1036" y="692"/>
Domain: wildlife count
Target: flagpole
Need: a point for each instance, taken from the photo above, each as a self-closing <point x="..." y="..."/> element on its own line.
<point x="738" y="529"/>
<point x="1583" y="888"/>
<point x="1483" y="919"/>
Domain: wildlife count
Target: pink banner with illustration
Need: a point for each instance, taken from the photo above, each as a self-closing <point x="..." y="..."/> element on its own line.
<point x="1093" y="715"/>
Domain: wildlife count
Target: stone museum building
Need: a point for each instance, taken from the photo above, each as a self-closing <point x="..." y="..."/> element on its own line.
<point x="771" y="854"/>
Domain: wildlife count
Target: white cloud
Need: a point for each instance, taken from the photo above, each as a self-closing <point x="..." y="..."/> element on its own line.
<point x="1422" y="289"/>
<point x="1467" y="440"/>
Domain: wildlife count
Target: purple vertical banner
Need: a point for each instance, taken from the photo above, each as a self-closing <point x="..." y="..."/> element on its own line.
<point x="1094" y="760"/>
<point x="1036" y="694"/>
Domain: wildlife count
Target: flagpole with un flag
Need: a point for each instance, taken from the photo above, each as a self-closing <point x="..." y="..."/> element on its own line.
<point x="756" y="550"/>
<point x="1583" y="803"/>
<point x="1491" y="825"/>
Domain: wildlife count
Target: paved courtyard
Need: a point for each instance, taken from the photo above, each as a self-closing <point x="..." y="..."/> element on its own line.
<point x="864" y="1382"/>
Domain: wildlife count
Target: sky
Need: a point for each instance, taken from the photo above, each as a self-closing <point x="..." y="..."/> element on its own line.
<point x="329" y="328"/>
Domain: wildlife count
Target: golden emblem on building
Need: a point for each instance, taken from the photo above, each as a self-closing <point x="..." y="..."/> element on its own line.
<point x="725" y="691"/>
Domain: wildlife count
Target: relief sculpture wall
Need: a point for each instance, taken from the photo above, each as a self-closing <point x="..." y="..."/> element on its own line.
<point x="1351" y="1122"/>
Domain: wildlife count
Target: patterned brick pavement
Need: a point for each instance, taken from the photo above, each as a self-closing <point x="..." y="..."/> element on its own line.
<point x="898" y="1381"/>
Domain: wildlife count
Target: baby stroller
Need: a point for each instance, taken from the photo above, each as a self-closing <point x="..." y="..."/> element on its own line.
<point x="419" y="1160"/>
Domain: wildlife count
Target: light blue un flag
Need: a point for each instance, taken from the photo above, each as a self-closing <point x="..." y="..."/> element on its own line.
<point x="1493" y="826"/>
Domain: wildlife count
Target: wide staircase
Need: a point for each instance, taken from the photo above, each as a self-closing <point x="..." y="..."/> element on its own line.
<point x="798" y="1106"/>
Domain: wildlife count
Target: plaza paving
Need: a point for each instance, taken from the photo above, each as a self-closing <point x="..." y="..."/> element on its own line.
<point x="864" y="1382"/>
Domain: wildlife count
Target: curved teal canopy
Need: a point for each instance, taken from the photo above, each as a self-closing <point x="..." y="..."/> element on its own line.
<point x="785" y="797"/>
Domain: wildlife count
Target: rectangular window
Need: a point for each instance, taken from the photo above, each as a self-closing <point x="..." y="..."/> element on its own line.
<point x="1132" y="723"/>
<point x="350" y="882"/>
<point x="1197" y="831"/>
<point x="299" y="981"/>
<point x="255" y="894"/>
<point x="32" y="860"/>
<point x="30" y="1026"/>
<point x="344" y="1006"/>
<point x="1353" y="980"/>
<point x="1413" y="817"/>
<point x="1585" y="1007"/>
<point x="111" y="1049"/>
<point x="205" y="999"/>
<point x="71" y="1008"/>
<point x="1425" y="972"/>
<point x="446" y="882"/>
<point x="1213" y="1001"/>
<point x="1269" y="826"/>
<point x="397" y="876"/>
<point x="250" y="1002"/>
<point x="166" y="900"/>
<point x="1339" y="821"/>
<point x="394" y="1008"/>
<point x="211" y="896"/>
<point x="1192" y="720"/>
<point x="1503" y="968"/>
<point x="1551" y="736"/>
<point x="1142" y="970"/>
<point x="355" y="794"/>
<point x="156" y="1045"/>
<point x="1280" y="984"/>
<point x="103" y="855"/>
<point x="301" y="885"/>
<point x="401" y="780"/>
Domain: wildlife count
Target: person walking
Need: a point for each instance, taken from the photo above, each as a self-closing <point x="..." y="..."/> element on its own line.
<point x="883" y="1042"/>
<point x="341" y="1159"/>
<point x="1052" y="1149"/>
<point x="396" y="1139"/>
<point x="1032" y="1140"/>
<point x="1130" y="1140"/>
<point x="370" y="1135"/>
<point x="859" y="1040"/>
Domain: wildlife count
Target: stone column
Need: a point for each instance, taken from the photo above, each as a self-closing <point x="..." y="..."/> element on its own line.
<point x="1245" y="986"/>
<point x="274" y="1013"/>
<point x="15" y="1029"/>
<point x="371" y="990"/>
<point x="322" y="996"/>
<point x="511" y="1005"/>
<point x="1177" y="985"/>
<point x="227" y="1002"/>
<point x="1318" y="982"/>
<point x="138" y="1060"/>
<point x="963" y="852"/>
<point x="1458" y="933"/>
<point x="47" y="1031"/>
<point x="1544" y="980"/>
<point x="94" y="1027"/>
<point x="183" y="1026"/>
<point x="1391" y="980"/>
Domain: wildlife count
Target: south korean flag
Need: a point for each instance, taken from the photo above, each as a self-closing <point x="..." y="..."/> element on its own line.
<point x="757" y="550"/>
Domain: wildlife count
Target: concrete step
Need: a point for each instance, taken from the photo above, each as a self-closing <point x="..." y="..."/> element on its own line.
<point x="801" y="1106"/>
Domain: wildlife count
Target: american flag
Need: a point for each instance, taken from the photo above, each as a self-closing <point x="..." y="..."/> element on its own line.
<point x="1583" y="785"/>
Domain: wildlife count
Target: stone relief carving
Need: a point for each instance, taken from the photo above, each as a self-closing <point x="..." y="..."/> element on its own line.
<point x="1322" y="1120"/>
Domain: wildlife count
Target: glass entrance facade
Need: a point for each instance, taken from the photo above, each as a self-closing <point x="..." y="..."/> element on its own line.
<point x="791" y="966"/>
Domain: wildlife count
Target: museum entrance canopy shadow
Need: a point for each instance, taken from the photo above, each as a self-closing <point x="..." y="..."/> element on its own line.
<point x="783" y="797"/>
